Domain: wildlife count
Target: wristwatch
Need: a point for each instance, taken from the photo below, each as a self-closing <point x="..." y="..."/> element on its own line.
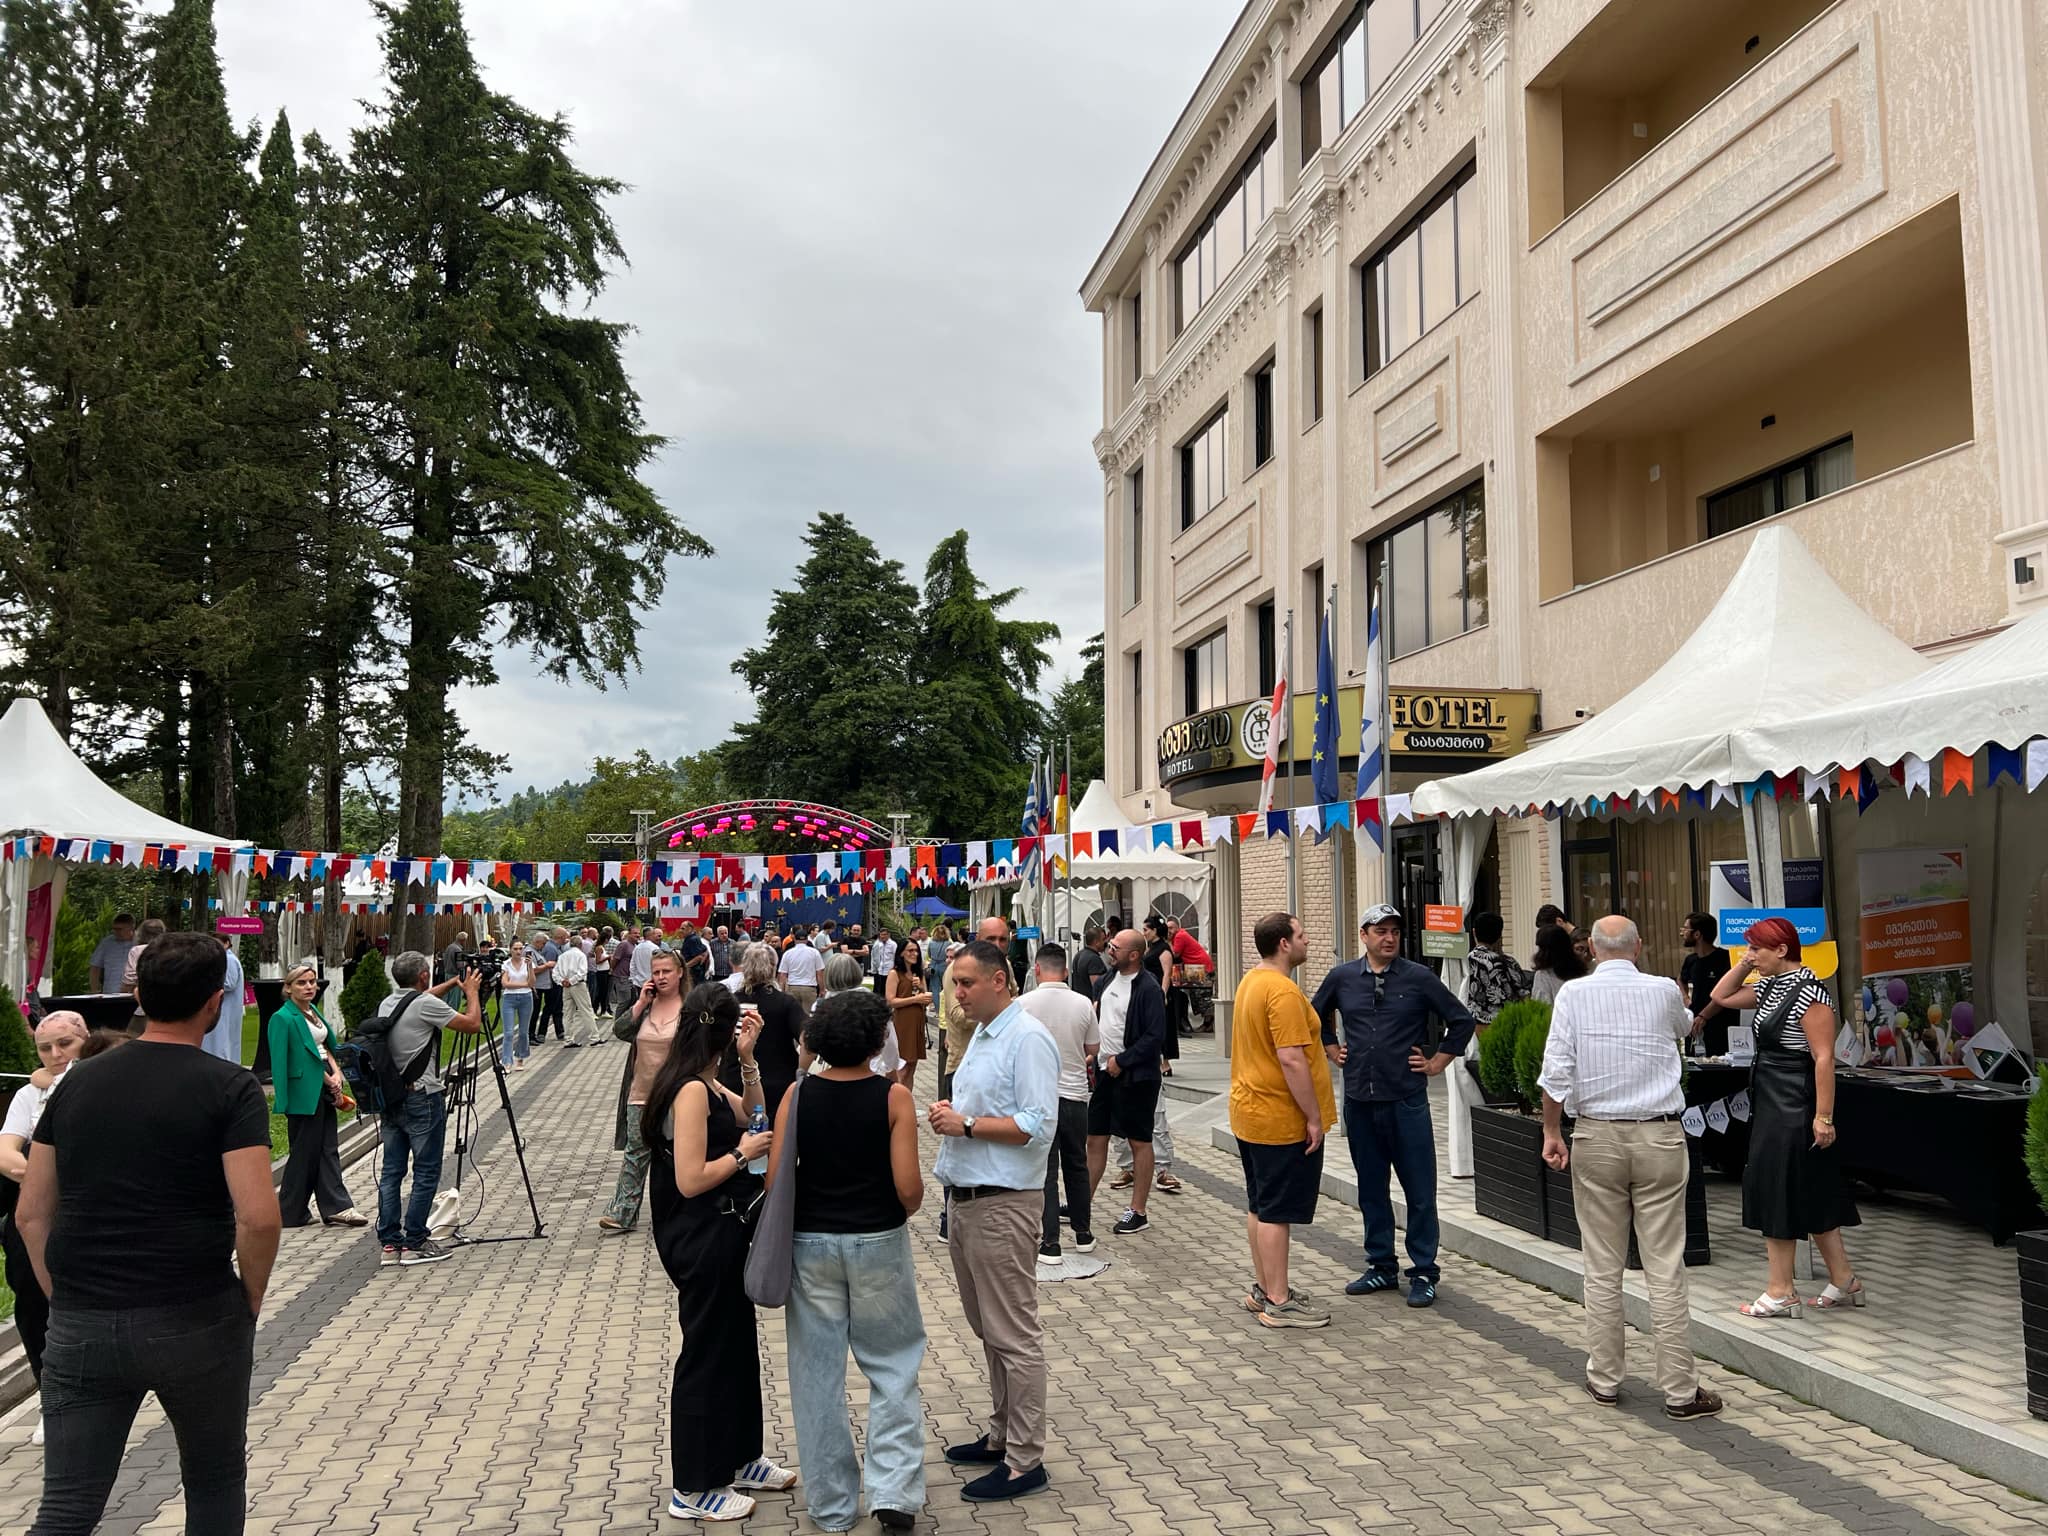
<point x="739" y="1158"/>
<point x="967" y="1127"/>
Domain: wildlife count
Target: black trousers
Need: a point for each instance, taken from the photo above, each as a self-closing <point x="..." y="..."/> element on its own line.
<point x="313" y="1169"/>
<point x="549" y="1010"/>
<point x="1069" y="1154"/>
<point x="600" y="990"/>
<point x="31" y="1306"/>
<point x="196" y="1357"/>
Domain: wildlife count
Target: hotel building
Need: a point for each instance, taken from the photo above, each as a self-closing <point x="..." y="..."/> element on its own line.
<point x="1544" y="307"/>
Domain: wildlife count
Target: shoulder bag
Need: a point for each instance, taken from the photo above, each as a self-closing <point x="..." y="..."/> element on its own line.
<point x="772" y="1258"/>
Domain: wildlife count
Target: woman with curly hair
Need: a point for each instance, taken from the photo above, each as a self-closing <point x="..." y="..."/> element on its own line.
<point x="703" y="1197"/>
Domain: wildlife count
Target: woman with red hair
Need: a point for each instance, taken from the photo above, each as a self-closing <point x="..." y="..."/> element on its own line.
<point x="1792" y="1186"/>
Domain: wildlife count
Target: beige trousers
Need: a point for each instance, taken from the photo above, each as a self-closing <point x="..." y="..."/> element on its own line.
<point x="1622" y="1170"/>
<point x="994" y="1242"/>
<point x="577" y="1014"/>
<point x="806" y="997"/>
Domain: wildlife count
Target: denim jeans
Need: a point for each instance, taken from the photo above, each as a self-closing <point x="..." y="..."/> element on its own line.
<point x="856" y="1290"/>
<point x="196" y="1357"/>
<point x="1395" y="1135"/>
<point x="416" y="1128"/>
<point x="515" y="1019"/>
<point x="632" y="1185"/>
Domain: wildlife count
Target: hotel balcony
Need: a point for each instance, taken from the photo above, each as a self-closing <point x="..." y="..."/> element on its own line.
<point x="1843" y="408"/>
<point x="1765" y="148"/>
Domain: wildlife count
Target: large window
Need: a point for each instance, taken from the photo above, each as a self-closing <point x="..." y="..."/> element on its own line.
<point x="1134" y="309"/>
<point x="1373" y="39"/>
<point x="1269" y="651"/>
<point x="1436" y="573"/>
<point x="1220" y="241"/>
<point x="1781" y="489"/>
<point x="1312" y="356"/>
<point x="1204" y="462"/>
<point x="1262" y="415"/>
<point x="1139" y="741"/>
<point x="1202" y="671"/>
<point x="1134" y="543"/>
<point x="1423" y="273"/>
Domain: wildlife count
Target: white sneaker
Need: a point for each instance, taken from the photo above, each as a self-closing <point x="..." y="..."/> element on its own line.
<point x="715" y="1504"/>
<point x="765" y="1475"/>
<point x="37" y="1437"/>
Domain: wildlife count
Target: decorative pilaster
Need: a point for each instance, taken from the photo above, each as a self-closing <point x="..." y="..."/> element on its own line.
<point x="1510" y="521"/>
<point x="2009" y="197"/>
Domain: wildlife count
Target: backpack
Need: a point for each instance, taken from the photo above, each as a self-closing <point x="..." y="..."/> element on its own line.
<point x="377" y="1081"/>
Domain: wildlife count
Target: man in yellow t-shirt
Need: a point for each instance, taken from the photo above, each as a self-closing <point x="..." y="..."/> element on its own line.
<point x="1280" y="1105"/>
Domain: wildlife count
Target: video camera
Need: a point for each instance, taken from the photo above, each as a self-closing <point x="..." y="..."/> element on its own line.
<point x="486" y="963"/>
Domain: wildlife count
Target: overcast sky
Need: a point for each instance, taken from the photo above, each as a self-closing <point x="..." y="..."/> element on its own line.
<point x="856" y="237"/>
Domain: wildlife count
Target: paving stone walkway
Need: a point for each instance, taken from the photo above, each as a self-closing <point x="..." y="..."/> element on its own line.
<point x="525" y="1389"/>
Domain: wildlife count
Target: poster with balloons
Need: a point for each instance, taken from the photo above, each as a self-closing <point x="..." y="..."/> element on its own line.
<point x="1918" y="1007"/>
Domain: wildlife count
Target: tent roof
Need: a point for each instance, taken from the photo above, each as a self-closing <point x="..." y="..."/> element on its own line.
<point x="45" y="788"/>
<point x="1997" y="691"/>
<point x="1099" y="812"/>
<point x="1783" y="638"/>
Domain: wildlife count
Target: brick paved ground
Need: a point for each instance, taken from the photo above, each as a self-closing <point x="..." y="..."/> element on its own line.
<point x="535" y="1395"/>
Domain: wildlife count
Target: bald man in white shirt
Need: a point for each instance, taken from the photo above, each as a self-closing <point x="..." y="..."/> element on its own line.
<point x="1612" y="1063"/>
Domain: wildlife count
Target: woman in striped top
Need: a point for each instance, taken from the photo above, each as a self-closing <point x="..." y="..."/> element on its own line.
<point x="1792" y="1185"/>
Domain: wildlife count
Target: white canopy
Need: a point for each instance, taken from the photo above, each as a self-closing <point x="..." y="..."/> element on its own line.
<point x="358" y="886"/>
<point x="45" y="788"/>
<point x="1997" y="691"/>
<point x="1783" y="640"/>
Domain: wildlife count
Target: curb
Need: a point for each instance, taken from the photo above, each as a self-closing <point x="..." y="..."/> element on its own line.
<point x="1965" y="1439"/>
<point x="17" y="1382"/>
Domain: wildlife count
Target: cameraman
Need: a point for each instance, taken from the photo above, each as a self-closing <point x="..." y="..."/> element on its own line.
<point x="417" y="1125"/>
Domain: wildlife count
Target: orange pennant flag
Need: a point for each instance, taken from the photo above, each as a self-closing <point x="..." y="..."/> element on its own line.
<point x="1958" y="768"/>
<point x="1848" y="781"/>
<point x="1084" y="845"/>
<point x="1247" y="824"/>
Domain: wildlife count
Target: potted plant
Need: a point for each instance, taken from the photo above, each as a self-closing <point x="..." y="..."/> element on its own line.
<point x="2033" y="1253"/>
<point x="1507" y="1134"/>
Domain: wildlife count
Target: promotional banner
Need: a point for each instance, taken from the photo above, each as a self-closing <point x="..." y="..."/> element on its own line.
<point x="1918" y="983"/>
<point x="1730" y="901"/>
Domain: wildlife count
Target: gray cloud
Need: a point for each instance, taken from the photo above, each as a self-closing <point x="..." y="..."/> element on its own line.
<point x="855" y="237"/>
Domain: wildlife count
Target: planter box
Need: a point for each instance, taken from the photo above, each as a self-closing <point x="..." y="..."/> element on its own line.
<point x="1512" y="1184"/>
<point x="2033" y="1254"/>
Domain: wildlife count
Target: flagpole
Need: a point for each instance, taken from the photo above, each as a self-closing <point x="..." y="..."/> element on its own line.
<point x="1386" y="747"/>
<point x="1337" y="836"/>
<point x="1293" y="870"/>
<point x="1069" y="830"/>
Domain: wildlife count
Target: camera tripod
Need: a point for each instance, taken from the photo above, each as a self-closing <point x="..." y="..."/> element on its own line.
<point x="464" y="1070"/>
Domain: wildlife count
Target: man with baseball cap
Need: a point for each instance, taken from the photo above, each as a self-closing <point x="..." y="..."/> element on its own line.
<point x="1386" y="1003"/>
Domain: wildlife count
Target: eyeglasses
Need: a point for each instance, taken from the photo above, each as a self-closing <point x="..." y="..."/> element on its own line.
<point x="1379" y="987"/>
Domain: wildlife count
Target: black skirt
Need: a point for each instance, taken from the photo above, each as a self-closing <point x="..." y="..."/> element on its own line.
<point x="1790" y="1187"/>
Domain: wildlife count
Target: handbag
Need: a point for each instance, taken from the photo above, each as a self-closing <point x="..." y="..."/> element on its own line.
<point x="772" y="1257"/>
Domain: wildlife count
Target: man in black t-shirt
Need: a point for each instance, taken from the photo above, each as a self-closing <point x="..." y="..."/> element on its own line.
<point x="1089" y="968"/>
<point x="1705" y="963"/>
<point x="148" y="1184"/>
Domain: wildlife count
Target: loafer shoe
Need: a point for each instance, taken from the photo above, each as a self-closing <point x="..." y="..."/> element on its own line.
<point x="976" y="1453"/>
<point x="1003" y="1484"/>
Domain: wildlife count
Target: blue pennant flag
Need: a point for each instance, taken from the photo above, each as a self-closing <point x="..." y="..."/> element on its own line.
<point x="1276" y="823"/>
<point x="1323" y="761"/>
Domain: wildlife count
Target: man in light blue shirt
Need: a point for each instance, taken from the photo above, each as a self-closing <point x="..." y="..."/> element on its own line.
<point x="998" y="1127"/>
<point x="225" y="1038"/>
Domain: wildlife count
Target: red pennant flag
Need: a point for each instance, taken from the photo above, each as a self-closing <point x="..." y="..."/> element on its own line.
<point x="1958" y="768"/>
<point x="151" y="856"/>
<point x="1191" y="834"/>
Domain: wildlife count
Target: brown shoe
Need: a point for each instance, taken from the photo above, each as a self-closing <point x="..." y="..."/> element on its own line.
<point x="1604" y="1399"/>
<point x="1125" y="1179"/>
<point x="1704" y="1405"/>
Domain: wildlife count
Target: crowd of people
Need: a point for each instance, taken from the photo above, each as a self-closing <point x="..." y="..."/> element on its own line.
<point x="745" y="1047"/>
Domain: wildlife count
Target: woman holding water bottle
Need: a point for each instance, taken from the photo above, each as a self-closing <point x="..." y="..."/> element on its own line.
<point x="704" y="1188"/>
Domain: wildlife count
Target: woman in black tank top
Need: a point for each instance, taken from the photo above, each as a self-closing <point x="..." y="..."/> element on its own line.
<point x="852" y="1287"/>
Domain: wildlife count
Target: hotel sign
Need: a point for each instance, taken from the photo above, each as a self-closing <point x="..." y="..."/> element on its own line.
<point x="1480" y="724"/>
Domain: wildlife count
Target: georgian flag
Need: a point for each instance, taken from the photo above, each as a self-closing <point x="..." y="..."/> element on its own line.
<point x="1276" y="737"/>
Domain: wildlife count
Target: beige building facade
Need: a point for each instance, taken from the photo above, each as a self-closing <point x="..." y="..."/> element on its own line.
<point x="1542" y="307"/>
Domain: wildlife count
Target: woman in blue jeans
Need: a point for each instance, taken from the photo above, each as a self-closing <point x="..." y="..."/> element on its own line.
<point x="853" y="1286"/>
<point x="515" y="1006"/>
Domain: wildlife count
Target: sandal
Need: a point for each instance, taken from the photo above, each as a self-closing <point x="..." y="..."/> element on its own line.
<point x="1768" y="1306"/>
<point x="1833" y="1296"/>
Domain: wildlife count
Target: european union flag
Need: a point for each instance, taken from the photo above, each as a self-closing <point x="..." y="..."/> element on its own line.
<point x="1322" y="772"/>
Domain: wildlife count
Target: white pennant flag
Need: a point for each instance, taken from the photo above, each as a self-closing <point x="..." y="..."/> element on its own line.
<point x="977" y="855"/>
<point x="1814" y="785"/>
<point x="2037" y="764"/>
<point x="1695" y="1121"/>
<point x="1220" y="829"/>
<point x="1722" y="795"/>
<point x="1399" y="808"/>
<point x="1917" y="776"/>
<point x="1308" y="818"/>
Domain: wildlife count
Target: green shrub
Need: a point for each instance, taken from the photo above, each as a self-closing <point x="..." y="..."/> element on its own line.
<point x="1529" y="1044"/>
<point x="365" y="990"/>
<point x="17" y="1045"/>
<point x="1497" y="1046"/>
<point x="2037" y="1142"/>
<point x="80" y="925"/>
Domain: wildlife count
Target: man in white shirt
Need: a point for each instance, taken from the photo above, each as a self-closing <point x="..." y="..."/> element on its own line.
<point x="799" y="972"/>
<point x="881" y="961"/>
<point x="572" y="973"/>
<point x="1612" y="1062"/>
<point x="642" y="966"/>
<point x="1070" y="1021"/>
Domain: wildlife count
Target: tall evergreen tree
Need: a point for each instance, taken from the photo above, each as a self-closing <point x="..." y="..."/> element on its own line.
<point x="69" y="107"/>
<point x="519" y="438"/>
<point x="833" y="695"/>
<point x="979" y="720"/>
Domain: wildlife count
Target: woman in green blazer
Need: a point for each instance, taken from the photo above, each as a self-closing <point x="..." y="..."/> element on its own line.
<point x="309" y="1088"/>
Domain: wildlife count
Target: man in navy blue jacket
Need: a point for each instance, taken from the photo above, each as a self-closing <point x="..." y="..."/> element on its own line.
<point x="1131" y="1010"/>
<point x="1386" y="1003"/>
